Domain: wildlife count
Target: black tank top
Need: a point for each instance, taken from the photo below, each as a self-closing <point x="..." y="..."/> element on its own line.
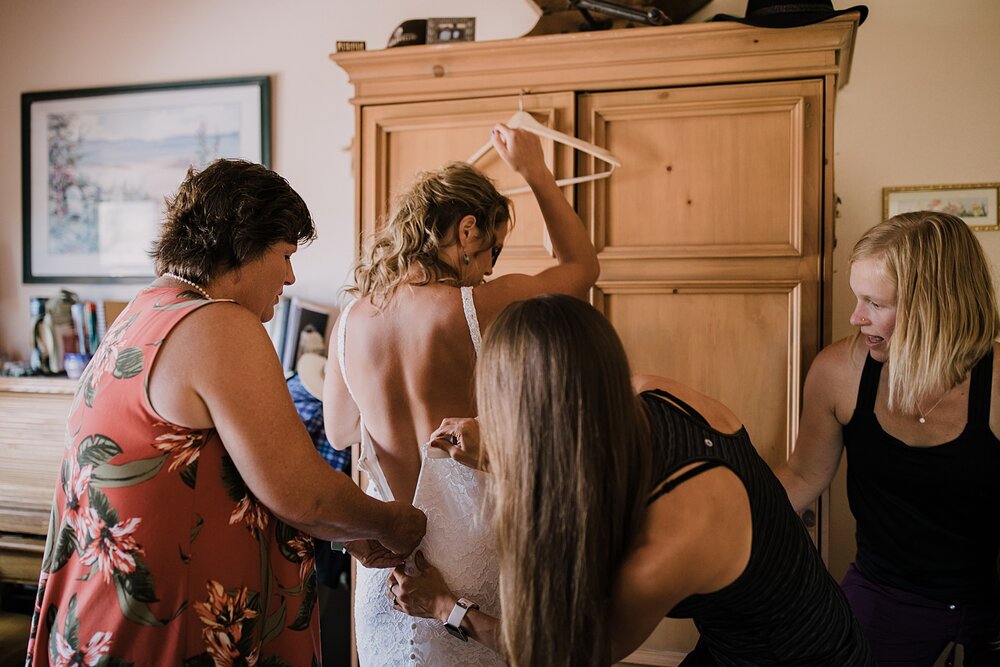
<point x="785" y="608"/>
<point x="928" y="518"/>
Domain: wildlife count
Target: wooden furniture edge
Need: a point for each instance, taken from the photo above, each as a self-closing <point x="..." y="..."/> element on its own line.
<point x="668" y="56"/>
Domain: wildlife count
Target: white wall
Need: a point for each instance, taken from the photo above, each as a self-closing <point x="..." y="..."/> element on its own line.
<point x="921" y="108"/>
<point x="56" y="45"/>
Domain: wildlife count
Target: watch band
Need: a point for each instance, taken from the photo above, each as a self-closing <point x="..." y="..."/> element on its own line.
<point x="454" y="623"/>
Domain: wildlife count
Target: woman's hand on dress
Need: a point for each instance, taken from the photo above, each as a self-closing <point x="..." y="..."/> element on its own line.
<point x="423" y="594"/>
<point x="371" y="553"/>
<point x="521" y="150"/>
<point x="459" y="436"/>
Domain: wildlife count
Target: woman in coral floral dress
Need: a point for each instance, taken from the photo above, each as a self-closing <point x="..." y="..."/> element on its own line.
<point x="188" y="486"/>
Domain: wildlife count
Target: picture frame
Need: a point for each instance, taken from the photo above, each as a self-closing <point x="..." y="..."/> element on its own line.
<point x="97" y="164"/>
<point x="305" y="327"/>
<point x="975" y="203"/>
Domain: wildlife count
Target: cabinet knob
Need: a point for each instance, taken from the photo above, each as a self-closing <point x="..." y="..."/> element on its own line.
<point x="808" y="518"/>
<point x="438" y="71"/>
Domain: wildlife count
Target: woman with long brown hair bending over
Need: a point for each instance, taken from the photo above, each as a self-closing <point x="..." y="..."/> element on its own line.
<point x="614" y="510"/>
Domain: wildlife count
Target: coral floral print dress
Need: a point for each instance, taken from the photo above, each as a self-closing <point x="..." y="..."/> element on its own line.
<point x="158" y="553"/>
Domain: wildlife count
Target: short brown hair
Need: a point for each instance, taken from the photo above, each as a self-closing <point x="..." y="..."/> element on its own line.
<point x="227" y="215"/>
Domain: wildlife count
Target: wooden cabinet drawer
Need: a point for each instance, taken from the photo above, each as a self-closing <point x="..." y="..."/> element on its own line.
<point x="21" y="558"/>
<point x="33" y="414"/>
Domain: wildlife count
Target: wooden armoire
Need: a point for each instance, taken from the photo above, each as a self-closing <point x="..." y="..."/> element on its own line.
<point x="715" y="235"/>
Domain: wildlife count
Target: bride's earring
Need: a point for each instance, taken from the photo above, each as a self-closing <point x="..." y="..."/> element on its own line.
<point x="466" y="258"/>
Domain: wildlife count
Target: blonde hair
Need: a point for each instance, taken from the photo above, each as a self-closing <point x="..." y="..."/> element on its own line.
<point x="405" y="249"/>
<point x="568" y="446"/>
<point x="946" y="312"/>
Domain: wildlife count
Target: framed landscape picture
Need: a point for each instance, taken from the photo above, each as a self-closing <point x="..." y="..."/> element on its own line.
<point x="975" y="203"/>
<point x="97" y="164"/>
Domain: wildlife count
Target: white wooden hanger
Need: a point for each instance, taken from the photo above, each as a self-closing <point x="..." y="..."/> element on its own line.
<point x="525" y="121"/>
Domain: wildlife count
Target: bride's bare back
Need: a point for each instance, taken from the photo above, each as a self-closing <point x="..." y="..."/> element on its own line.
<point x="409" y="366"/>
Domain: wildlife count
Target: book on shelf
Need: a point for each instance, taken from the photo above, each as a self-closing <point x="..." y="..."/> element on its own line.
<point x="90" y="321"/>
<point x="107" y="312"/>
<point x="79" y="313"/>
<point x="90" y="326"/>
<point x="85" y="326"/>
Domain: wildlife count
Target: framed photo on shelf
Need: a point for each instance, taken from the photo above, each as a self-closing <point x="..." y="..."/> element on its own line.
<point x="975" y="203"/>
<point x="306" y="327"/>
<point x="97" y="164"/>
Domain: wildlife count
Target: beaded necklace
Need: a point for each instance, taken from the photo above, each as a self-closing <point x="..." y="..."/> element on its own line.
<point x="198" y="288"/>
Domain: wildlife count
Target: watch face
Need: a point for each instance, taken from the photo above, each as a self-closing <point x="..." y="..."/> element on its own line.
<point x="458" y="633"/>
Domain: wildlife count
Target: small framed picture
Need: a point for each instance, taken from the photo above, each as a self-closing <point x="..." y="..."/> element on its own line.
<point x="975" y="203"/>
<point x="97" y="164"/>
<point x="306" y="328"/>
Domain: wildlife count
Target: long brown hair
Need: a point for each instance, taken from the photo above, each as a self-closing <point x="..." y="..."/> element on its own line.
<point x="406" y="248"/>
<point x="568" y="446"/>
<point x="946" y="310"/>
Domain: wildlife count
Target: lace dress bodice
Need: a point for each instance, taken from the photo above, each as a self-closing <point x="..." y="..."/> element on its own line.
<point x="459" y="542"/>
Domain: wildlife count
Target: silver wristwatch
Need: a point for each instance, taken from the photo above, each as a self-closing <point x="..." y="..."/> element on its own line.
<point x="454" y="623"/>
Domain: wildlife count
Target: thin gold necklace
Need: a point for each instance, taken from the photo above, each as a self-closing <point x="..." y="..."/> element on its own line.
<point x="923" y="415"/>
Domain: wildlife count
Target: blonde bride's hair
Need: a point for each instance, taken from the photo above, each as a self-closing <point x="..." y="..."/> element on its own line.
<point x="405" y="249"/>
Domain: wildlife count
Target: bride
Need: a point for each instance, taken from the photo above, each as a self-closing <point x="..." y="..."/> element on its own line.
<point x="403" y="359"/>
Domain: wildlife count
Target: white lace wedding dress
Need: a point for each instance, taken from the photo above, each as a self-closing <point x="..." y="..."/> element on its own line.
<point x="459" y="542"/>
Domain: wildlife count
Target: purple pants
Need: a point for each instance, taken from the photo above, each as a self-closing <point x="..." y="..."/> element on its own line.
<point x="908" y="630"/>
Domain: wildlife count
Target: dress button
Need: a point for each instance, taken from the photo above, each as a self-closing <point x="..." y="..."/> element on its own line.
<point x="411" y="642"/>
<point x="709" y="443"/>
<point x="413" y="627"/>
<point x="413" y="657"/>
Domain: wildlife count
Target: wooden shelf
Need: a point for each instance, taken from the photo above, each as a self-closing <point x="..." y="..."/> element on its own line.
<point x="38" y="385"/>
<point x="33" y="412"/>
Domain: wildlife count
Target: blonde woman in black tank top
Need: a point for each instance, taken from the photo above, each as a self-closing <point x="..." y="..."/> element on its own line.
<point x="913" y="400"/>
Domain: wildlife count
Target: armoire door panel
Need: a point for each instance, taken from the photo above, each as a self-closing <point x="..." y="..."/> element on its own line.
<point x="639" y="266"/>
<point x="404" y="139"/>
<point x="736" y="342"/>
<point x="721" y="171"/>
